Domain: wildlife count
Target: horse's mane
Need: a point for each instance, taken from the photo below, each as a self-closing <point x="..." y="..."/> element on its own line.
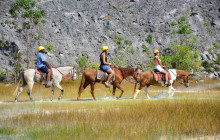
<point x="127" y="71"/>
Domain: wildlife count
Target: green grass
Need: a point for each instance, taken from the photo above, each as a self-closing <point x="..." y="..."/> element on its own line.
<point x="189" y="114"/>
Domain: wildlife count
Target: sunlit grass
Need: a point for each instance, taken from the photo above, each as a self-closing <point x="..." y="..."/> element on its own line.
<point x="192" y="112"/>
<point x="116" y="119"/>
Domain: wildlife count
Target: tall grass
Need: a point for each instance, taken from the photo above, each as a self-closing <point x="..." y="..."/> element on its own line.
<point x="141" y="119"/>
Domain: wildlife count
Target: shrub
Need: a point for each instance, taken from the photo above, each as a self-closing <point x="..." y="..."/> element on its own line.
<point x="127" y="42"/>
<point x="49" y="47"/>
<point x="83" y="63"/>
<point x="149" y="39"/>
<point x="144" y="48"/>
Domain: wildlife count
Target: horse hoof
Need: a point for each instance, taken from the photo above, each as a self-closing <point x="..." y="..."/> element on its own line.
<point x="59" y="98"/>
<point x="16" y="100"/>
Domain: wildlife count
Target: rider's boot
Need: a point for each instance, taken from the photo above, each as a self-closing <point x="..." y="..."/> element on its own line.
<point x="49" y="84"/>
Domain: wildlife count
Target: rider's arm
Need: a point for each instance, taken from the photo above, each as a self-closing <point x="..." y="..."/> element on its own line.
<point x="103" y="59"/>
<point x="47" y="64"/>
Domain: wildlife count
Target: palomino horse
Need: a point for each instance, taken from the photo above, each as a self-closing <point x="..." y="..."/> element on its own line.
<point x="147" y="79"/>
<point x="89" y="78"/>
<point x="28" y="78"/>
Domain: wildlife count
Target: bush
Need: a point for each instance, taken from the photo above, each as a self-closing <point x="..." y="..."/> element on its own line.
<point x="83" y="63"/>
<point x="49" y="47"/>
<point x="149" y="39"/>
<point x="183" y="57"/>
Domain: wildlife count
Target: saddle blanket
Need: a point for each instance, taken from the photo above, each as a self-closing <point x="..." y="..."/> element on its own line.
<point x="101" y="75"/>
<point x="41" y="76"/>
<point x="160" y="77"/>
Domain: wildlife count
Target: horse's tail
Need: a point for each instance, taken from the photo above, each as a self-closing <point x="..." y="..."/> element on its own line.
<point x="21" y="77"/>
<point x="82" y="82"/>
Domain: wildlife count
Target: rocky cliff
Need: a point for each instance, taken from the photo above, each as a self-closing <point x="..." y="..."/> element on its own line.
<point x="78" y="28"/>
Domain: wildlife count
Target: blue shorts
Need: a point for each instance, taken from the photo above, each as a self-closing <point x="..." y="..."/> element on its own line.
<point x="44" y="69"/>
<point x="104" y="67"/>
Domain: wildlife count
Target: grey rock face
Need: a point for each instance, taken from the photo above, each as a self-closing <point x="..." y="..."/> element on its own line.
<point x="79" y="28"/>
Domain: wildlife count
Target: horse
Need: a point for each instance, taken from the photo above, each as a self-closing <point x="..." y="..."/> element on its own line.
<point x="29" y="77"/>
<point x="89" y="78"/>
<point x="147" y="79"/>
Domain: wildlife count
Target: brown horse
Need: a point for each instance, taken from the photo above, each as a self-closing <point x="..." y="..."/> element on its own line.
<point x="147" y="79"/>
<point x="89" y="78"/>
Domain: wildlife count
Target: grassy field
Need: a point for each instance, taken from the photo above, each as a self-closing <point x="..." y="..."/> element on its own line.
<point x="194" y="112"/>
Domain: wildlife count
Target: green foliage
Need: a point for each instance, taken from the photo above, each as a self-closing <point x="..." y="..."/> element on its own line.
<point x="83" y="63"/>
<point x="127" y="42"/>
<point x="49" y="47"/>
<point x="3" y="73"/>
<point x="173" y="23"/>
<point x="216" y="45"/>
<point x="94" y="65"/>
<point x="18" y="30"/>
<point x="183" y="26"/>
<point x="18" y="55"/>
<point x="208" y="66"/>
<point x="207" y="24"/>
<point x="26" y="25"/>
<point x="6" y="131"/>
<point x="25" y="7"/>
<point x="119" y="60"/>
<point x="145" y="49"/>
<point x="149" y="39"/>
<point x="43" y="21"/>
<point x="130" y="51"/>
<point x="7" y="22"/>
<point x="183" y="57"/>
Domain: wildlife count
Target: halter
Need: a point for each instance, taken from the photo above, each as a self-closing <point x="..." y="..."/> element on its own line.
<point x="135" y="76"/>
<point x="66" y="77"/>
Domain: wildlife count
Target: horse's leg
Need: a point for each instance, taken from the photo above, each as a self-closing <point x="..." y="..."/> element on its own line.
<point x="146" y="91"/>
<point x="172" y="91"/>
<point x="113" y="92"/>
<point x="142" y="84"/>
<point x="92" y="90"/>
<point x="58" y="86"/>
<point x="52" y="92"/>
<point x="20" y="90"/>
<point x="82" y="87"/>
<point x="122" y="90"/>
<point x="30" y="86"/>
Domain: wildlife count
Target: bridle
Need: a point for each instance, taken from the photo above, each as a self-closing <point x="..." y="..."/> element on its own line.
<point x="65" y="76"/>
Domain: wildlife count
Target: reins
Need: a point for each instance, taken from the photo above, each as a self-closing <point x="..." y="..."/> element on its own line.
<point x="124" y="76"/>
<point x="65" y="77"/>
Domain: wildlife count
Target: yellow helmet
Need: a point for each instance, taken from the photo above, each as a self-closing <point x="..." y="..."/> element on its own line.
<point x="104" y="48"/>
<point x="41" y="48"/>
<point x="156" y="51"/>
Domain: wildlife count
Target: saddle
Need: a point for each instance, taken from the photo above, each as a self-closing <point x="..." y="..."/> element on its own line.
<point x="41" y="76"/>
<point x="102" y="75"/>
<point x="158" y="76"/>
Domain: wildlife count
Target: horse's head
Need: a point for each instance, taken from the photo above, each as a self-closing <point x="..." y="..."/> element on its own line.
<point x="73" y="74"/>
<point x="135" y="75"/>
<point x="186" y="79"/>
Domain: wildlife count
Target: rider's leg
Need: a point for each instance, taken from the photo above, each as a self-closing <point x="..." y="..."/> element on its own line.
<point x="48" y="74"/>
<point x="166" y="75"/>
<point x="111" y="73"/>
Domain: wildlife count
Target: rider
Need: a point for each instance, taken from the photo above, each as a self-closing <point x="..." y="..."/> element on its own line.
<point x="43" y="65"/>
<point x="158" y="66"/>
<point x="105" y="65"/>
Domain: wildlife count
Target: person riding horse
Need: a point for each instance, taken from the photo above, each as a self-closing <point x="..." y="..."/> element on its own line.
<point x="105" y="66"/>
<point x="159" y="67"/>
<point x="43" y="65"/>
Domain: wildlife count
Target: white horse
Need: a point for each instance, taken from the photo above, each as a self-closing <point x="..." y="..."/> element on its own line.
<point x="28" y="78"/>
<point x="147" y="79"/>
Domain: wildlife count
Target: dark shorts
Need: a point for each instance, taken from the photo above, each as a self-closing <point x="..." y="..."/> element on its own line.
<point x="104" y="67"/>
<point x="44" y="69"/>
